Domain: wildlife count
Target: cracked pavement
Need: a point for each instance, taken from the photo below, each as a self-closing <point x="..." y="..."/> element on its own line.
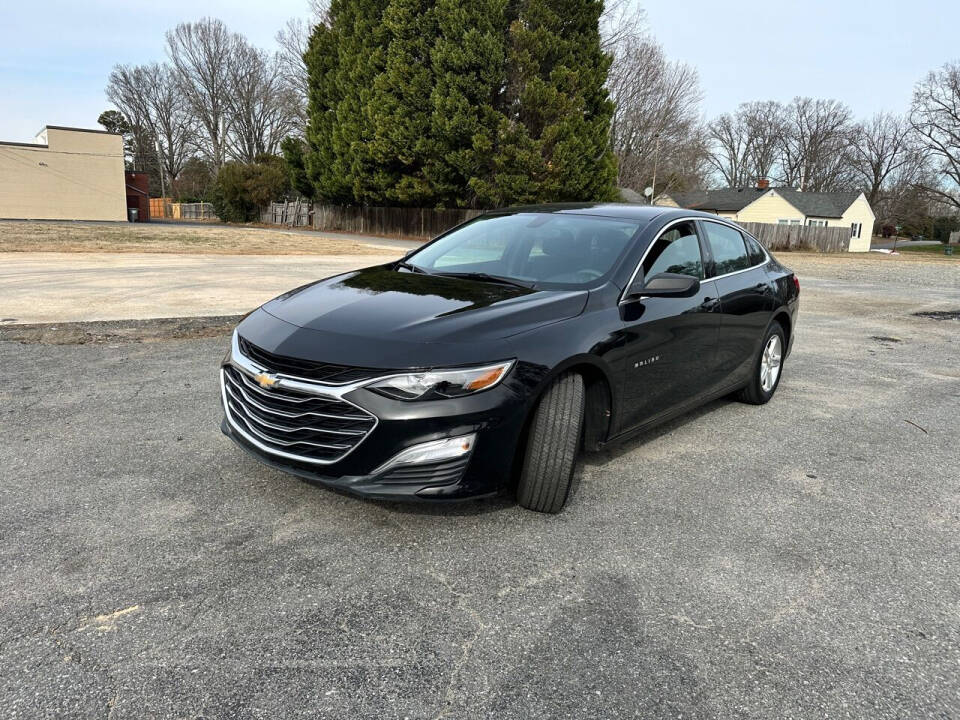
<point x="796" y="560"/>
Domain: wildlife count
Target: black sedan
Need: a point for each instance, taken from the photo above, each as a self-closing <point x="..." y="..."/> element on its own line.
<point x="490" y="357"/>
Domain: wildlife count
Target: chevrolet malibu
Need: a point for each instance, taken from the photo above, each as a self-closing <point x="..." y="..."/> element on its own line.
<point x="489" y="358"/>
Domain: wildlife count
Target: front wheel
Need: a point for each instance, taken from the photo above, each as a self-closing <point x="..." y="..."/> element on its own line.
<point x="553" y="444"/>
<point x="767" y="369"/>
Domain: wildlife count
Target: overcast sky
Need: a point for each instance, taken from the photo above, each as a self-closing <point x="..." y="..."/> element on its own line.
<point x="55" y="56"/>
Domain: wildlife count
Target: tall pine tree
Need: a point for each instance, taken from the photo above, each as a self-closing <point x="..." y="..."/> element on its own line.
<point x="343" y="59"/>
<point x="469" y="63"/>
<point x="558" y="109"/>
<point x="399" y="109"/>
<point x="439" y="102"/>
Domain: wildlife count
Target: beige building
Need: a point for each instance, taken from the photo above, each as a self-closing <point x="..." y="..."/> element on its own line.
<point x="65" y="174"/>
<point x="784" y="206"/>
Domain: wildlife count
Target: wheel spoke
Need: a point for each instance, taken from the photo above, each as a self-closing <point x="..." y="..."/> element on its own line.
<point x="770" y="360"/>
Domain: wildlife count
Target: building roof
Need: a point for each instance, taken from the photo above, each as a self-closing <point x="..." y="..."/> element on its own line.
<point x="723" y="200"/>
<point x="820" y="204"/>
<point x="812" y="204"/>
<point x="631" y="196"/>
<point x="76" y="129"/>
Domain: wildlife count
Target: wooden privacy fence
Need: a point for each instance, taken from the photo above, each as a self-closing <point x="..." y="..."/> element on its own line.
<point x="160" y="207"/>
<point x="292" y="214"/>
<point x="418" y="223"/>
<point x="193" y="211"/>
<point x="799" y="237"/>
<point x="414" y="223"/>
<point x="165" y="209"/>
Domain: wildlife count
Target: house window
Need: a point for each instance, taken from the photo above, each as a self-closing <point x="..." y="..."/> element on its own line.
<point x="817" y="223"/>
<point x="788" y="221"/>
<point x="855" y="229"/>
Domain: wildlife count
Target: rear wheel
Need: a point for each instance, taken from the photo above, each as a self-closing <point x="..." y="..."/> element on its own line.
<point x="767" y="369"/>
<point x="553" y="445"/>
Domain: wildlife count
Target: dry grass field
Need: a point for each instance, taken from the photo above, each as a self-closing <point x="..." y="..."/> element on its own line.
<point x="167" y="238"/>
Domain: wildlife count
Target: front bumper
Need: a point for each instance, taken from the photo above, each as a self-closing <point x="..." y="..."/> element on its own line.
<point x="369" y="486"/>
<point x="495" y="416"/>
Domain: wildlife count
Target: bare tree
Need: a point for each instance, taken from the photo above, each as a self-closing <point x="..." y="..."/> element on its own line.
<point x="729" y="141"/>
<point x="656" y="122"/>
<point x="745" y="146"/>
<point x="168" y="115"/>
<point x="815" y="143"/>
<point x="263" y="109"/>
<point x="123" y="90"/>
<point x="202" y="54"/>
<point x="883" y="147"/>
<point x="765" y="121"/>
<point x="293" y="41"/>
<point x="149" y="96"/>
<point x="935" y="115"/>
<point x="622" y="23"/>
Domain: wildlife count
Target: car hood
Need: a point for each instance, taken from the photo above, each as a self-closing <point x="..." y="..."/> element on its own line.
<point x="381" y="303"/>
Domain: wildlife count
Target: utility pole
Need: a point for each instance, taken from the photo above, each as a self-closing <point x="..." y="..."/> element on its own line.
<point x="656" y="159"/>
<point x="163" y="187"/>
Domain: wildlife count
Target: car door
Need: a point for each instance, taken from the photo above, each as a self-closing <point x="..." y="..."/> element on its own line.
<point x="747" y="298"/>
<point x="670" y="342"/>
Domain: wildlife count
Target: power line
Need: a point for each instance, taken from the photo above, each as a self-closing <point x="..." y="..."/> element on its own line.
<point x="56" y="152"/>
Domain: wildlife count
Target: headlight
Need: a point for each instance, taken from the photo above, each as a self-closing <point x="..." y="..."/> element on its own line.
<point x="433" y="384"/>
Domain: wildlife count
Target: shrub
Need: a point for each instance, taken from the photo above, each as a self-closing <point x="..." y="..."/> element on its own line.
<point x="242" y="190"/>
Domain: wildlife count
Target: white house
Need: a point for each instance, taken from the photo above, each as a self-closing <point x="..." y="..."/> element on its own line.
<point x="764" y="204"/>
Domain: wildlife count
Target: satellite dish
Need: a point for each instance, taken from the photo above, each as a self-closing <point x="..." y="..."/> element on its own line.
<point x="648" y="191"/>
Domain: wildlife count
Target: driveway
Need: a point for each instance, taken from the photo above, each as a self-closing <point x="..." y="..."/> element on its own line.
<point x="65" y="287"/>
<point x="798" y="560"/>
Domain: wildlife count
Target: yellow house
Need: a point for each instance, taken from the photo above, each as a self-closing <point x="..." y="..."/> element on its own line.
<point x="784" y="206"/>
<point x="64" y="174"/>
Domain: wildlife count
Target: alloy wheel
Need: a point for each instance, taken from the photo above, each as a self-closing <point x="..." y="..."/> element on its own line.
<point x="770" y="363"/>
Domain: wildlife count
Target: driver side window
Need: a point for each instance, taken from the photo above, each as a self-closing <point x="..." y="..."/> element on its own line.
<point x="676" y="251"/>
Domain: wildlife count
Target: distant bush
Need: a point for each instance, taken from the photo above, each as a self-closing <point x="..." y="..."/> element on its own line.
<point x="242" y="190"/>
<point x="943" y="226"/>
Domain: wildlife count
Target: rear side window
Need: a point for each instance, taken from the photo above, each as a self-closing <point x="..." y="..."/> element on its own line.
<point x="754" y="250"/>
<point x="676" y="251"/>
<point x="728" y="248"/>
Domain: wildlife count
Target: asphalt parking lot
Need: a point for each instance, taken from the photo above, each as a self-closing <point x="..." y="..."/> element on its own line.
<point x="799" y="560"/>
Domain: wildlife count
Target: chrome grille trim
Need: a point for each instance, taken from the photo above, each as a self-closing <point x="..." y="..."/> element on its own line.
<point x="249" y="414"/>
<point x="233" y="388"/>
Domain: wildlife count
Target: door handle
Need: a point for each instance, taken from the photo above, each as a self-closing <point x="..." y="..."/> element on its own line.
<point x="709" y="303"/>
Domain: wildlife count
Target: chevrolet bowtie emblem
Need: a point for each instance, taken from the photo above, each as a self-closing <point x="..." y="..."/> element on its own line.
<point x="265" y="380"/>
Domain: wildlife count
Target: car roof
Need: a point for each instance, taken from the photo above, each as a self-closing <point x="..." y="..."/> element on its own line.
<point x="625" y="211"/>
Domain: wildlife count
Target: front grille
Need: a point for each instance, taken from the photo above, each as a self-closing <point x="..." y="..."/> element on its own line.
<point x="438" y="473"/>
<point x="311" y="427"/>
<point x="307" y="369"/>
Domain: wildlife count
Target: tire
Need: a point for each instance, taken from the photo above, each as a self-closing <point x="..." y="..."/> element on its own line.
<point x="759" y="390"/>
<point x="553" y="446"/>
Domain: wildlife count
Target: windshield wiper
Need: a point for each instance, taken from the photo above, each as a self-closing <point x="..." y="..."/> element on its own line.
<point x="486" y="277"/>
<point x="411" y="267"/>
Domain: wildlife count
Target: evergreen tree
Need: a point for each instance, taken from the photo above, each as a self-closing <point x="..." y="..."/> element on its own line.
<point x="439" y="102"/>
<point x="558" y="109"/>
<point x="343" y="59"/>
<point x="294" y="150"/>
<point x="469" y="65"/>
<point x="399" y="109"/>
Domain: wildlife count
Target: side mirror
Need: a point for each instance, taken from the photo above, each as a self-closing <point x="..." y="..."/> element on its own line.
<point x="666" y="285"/>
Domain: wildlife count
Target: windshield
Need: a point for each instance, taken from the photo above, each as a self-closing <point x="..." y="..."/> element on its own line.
<point x="543" y="249"/>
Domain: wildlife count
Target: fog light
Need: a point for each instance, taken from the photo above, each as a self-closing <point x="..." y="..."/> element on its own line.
<point x="429" y="452"/>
